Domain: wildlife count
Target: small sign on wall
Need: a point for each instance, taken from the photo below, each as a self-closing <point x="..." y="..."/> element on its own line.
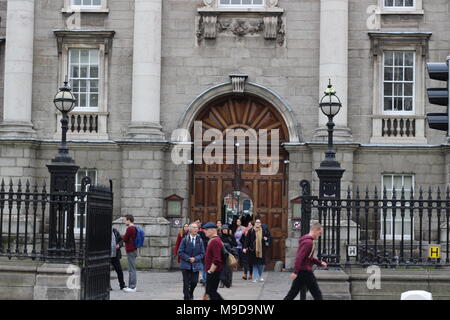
<point x="352" y="251"/>
<point x="434" y="251"/>
<point x="176" y="222"/>
<point x="296" y="224"/>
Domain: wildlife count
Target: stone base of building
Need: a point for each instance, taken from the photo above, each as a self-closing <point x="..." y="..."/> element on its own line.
<point x="25" y="280"/>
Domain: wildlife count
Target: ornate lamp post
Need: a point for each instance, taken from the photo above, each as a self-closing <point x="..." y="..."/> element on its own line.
<point x="61" y="247"/>
<point x="330" y="175"/>
<point x="330" y="171"/>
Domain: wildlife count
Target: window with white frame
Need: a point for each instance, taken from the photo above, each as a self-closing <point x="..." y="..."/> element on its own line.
<point x="86" y="4"/>
<point x="81" y="174"/>
<point x="394" y="226"/>
<point x="399" y="4"/>
<point x="84" y="77"/>
<point x="247" y="3"/>
<point x="398" y="81"/>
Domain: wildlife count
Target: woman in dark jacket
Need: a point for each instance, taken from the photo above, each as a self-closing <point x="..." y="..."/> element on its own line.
<point x="248" y="267"/>
<point x="256" y="243"/>
<point x="229" y="242"/>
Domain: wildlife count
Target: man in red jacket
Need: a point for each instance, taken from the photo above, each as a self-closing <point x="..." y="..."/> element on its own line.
<point x="213" y="262"/>
<point x="303" y="274"/>
<point x="131" y="250"/>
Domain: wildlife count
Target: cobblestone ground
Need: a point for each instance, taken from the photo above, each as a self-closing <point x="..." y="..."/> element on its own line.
<point x="169" y="286"/>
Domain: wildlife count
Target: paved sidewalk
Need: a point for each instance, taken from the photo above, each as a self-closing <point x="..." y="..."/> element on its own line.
<point x="169" y="286"/>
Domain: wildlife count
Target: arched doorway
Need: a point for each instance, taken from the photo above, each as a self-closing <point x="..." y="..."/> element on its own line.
<point x="211" y="183"/>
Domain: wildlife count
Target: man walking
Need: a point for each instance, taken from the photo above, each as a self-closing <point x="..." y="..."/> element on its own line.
<point x="205" y="240"/>
<point x="130" y="248"/>
<point x="191" y="253"/>
<point x="213" y="262"/>
<point x="303" y="275"/>
<point x="116" y="255"/>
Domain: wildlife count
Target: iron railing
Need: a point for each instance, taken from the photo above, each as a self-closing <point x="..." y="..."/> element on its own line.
<point x="24" y="222"/>
<point x="370" y="228"/>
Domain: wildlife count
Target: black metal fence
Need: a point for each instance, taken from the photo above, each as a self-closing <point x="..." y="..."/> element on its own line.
<point x="373" y="228"/>
<point x="24" y="222"/>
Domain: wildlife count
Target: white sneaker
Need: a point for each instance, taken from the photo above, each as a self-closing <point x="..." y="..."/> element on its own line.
<point x="261" y="280"/>
<point x="129" y="290"/>
<point x="253" y="281"/>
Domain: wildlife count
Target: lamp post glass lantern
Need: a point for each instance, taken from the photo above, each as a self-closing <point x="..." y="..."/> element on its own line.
<point x="64" y="102"/>
<point x="330" y="105"/>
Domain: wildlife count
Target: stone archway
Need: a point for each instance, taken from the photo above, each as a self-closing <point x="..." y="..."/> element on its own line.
<point x="251" y="89"/>
<point x="269" y="193"/>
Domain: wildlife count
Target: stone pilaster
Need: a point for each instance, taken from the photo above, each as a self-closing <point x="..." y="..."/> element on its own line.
<point x="145" y="114"/>
<point x="334" y="63"/>
<point x="18" y="69"/>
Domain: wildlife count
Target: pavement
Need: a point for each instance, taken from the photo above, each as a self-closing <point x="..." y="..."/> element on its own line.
<point x="169" y="286"/>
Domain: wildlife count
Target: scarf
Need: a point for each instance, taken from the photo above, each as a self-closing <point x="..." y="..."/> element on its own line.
<point x="258" y="242"/>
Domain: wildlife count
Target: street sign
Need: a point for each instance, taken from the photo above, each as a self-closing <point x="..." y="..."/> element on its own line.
<point x="434" y="251"/>
<point x="352" y="251"/>
<point x="296" y="225"/>
<point x="176" y="222"/>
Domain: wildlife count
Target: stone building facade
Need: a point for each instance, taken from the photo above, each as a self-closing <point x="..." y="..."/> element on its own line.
<point x="144" y="68"/>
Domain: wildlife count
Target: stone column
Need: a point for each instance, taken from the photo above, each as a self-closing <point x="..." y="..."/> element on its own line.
<point x="145" y="114"/>
<point x="334" y="63"/>
<point x="18" y="69"/>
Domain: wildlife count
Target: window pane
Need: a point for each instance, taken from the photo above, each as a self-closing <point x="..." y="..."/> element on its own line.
<point x="409" y="74"/>
<point x="407" y="180"/>
<point x="388" y="3"/>
<point x="408" y="105"/>
<point x="93" y="55"/>
<point x="388" y="74"/>
<point x="398" y="58"/>
<point x="409" y="3"/>
<point x="93" y="72"/>
<point x="398" y="89"/>
<point x="387" y="104"/>
<point x="398" y="104"/>
<point x="82" y="100"/>
<point x="94" y="86"/>
<point x="388" y="58"/>
<point x="93" y="100"/>
<point x="387" y="182"/>
<point x="398" y="183"/>
<point x="408" y="89"/>
<point x="96" y="2"/>
<point x="84" y="56"/>
<point x="83" y="72"/>
<point x="409" y="59"/>
<point x="398" y="74"/>
<point x="74" y="55"/>
<point x="388" y="89"/>
<point x="74" y="72"/>
<point x="235" y="1"/>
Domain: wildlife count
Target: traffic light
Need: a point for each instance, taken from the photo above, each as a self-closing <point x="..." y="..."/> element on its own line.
<point x="440" y="96"/>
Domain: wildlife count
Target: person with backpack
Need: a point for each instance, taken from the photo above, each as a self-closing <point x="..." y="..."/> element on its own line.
<point x="213" y="262"/>
<point x="230" y="245"/>
<point x="205" y="239"/>
<point x="191" y="253"/>
<point x="133" y="239"/>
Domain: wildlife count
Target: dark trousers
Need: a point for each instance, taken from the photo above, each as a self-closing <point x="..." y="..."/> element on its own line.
<point x="304" y="279"/>
<point x="212" y="283"/>
<point x="118" y="268"/>
<point x="190" y="280"/>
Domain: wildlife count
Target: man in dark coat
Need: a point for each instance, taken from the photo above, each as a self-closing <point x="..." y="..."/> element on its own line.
<point x="191" y="253"/>
<point x="303" y="275"/>
<point x="116" y="255"/>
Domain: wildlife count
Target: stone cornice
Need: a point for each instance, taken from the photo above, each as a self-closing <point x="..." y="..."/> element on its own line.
<point x="380" y="38"/>
<point x="97" y="35"/>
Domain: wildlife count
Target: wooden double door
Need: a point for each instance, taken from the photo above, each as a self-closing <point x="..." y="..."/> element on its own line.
<point x="211" y="183"/>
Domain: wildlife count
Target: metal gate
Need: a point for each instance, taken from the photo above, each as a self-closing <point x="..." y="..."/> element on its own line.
<point x="97" y="254"/>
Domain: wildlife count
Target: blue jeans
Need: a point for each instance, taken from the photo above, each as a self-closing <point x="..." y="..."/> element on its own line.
<point x="258" y="270"/>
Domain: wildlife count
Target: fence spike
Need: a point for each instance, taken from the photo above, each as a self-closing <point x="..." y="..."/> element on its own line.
<point x="10" y="185"/>
<point x="2" y="187"/>
<point x="420" y="193"/>
<point x="348" y="192"/>
<point x="367" y="192"/>
<point x="394" y="194"/>
<point x="375" y="192"/>
<point x="27" y="186"/>
<point x="19" y="186"/>
<point x="384" y="192"/>
<point x="430" y="191"/>
<point x="402" y="196"/>
<point x="447" y="194"/>
<point x="438" y="197"/>
<point x="357" y="192"/>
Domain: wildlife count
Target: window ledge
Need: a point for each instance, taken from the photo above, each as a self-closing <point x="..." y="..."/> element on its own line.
<point x="406" y="12"/>
<point x="85" y="10"/>
<point x="261" y="10"/>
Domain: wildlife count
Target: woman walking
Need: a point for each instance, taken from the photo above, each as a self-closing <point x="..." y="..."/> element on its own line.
<point x="257" y="241"/>
<point x="183" y="232"/>
<point x="239" y="230"/>
<point x="248" y="268"/>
